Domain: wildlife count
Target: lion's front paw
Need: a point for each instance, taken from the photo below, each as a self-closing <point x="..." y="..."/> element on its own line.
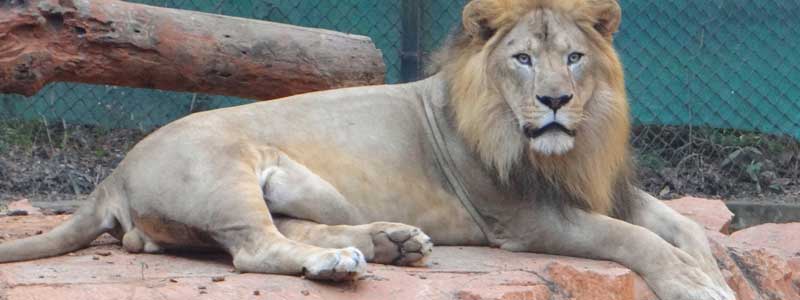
<point x="336" y="265"/>
<point x="400" y="244"/>
<point x="690" y="283"/>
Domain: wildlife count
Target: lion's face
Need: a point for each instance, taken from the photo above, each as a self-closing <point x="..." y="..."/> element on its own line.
<point x="537" y="83"/>
<point x="541" y="69"/>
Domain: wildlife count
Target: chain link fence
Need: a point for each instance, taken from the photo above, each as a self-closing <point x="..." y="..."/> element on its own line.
<point x="714" y="84"/>
<point x="715" y="92"/>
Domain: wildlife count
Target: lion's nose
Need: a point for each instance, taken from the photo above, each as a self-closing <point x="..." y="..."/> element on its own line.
<point x="554" y="103"/>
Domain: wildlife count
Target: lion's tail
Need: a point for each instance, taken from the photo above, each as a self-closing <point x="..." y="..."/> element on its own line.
<point x="89" y="222"/>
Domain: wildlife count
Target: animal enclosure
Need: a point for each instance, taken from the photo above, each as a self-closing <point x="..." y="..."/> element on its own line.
<point x="714" y="88"/>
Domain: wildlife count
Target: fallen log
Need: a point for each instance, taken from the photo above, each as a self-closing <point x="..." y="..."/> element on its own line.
<point x="126" y="44"/>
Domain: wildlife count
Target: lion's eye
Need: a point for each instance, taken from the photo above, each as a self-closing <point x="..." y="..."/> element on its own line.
<point x="524" y="59"/>
<point x="574" y="58"/>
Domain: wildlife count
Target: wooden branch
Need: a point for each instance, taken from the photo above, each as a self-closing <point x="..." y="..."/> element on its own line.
<point x="127" y="44"/>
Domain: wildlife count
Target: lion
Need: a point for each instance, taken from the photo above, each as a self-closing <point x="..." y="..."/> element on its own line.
<point x="519" y="139"/>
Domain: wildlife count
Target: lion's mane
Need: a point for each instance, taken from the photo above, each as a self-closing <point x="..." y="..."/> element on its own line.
<point x="596" y="174"/>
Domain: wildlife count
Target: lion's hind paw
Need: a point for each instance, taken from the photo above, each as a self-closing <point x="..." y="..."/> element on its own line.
<point x="401" y="245"/>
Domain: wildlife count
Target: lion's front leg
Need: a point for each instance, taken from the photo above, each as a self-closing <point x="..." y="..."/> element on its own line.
<point x="669" y="271"/>
<point x="678" y="230"/>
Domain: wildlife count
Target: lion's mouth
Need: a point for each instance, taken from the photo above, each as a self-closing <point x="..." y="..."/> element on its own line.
<point x="532" y="133"/>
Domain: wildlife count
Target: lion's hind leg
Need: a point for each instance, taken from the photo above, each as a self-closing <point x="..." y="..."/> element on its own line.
<point x="250" y="236"/>
<point x="381" y="242"/>
<point x="237" y="218"/>
<point x="291" y="189"/>
<point x="309" y="201"/>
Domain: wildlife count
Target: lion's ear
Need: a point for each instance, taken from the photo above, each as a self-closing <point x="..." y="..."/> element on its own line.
<point x="607" y="15"/>
<point x="478" y="18"/>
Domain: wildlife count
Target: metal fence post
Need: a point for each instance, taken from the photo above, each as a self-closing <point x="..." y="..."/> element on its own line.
<point x="411" y="49"/>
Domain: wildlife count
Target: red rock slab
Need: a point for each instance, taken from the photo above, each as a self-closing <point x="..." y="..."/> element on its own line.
<point x="756" y="271"/>
<point x="106" y="271"/>
<point x="781" y="240"/>
<point x="610" y="284"/>
<point x="733" y="275"/>
<point x="23" y="226"/>
<point x="758" y="264"/>
<point x="712" y="214"/>
<point x="537" y="292"/>
<point x="784" y="238"/>
<point x="24" y="205"/>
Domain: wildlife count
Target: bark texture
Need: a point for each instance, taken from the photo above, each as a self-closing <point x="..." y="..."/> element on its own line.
<point x="127" y="44"/>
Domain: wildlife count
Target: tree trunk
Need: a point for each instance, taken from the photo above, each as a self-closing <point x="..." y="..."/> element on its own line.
<point x="127" y="44"/>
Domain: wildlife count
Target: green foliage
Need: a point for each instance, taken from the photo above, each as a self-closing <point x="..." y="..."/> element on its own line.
<point x="19" y="134"/>
<point x="741" y="139"/>
<point x="651" y="160"/>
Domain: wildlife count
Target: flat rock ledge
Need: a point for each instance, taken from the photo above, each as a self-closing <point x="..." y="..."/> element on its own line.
<point x="760" y="263"/>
